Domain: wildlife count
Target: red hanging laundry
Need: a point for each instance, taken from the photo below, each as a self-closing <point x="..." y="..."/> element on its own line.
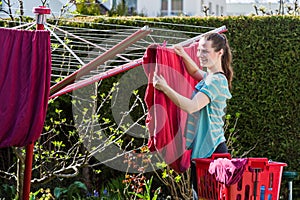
<point x="25" y="72"/>
<point x="165" y="121"/>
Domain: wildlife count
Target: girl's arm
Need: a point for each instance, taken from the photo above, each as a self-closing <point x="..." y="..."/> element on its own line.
<point x="190" y="65"/>
<point x="188" y="105"/>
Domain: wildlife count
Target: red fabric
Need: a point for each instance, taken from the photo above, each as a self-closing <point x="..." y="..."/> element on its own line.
<point x="165" y="121"/>
<point x="25" y="70"/>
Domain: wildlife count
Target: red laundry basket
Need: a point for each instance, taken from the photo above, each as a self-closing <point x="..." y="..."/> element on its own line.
<point x="261" y="180"/>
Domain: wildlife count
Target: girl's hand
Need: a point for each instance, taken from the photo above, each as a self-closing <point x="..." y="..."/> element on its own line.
<point x="179" y="50"/>
<point x="159" y="82"/>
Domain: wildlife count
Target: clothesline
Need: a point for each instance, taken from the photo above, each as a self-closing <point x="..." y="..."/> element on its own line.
<point x="85" y="41"/>
<point x="77" y="44"/>
<point x="118" y="69"/>
<point x="99" y="37"/>
<point x="72" y="47"/>
<point x="101" y="59"/>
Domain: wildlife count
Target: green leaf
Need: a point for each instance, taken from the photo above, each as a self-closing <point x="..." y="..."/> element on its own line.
<point x="177" y="178"/>
<point x="164" y="174"/>
<point x="58" y="192"/>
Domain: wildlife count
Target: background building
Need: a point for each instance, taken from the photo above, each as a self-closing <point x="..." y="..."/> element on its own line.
<point x="154" y="8"/>
<point x="236" y="9"/>
<point x="181" y="7"/>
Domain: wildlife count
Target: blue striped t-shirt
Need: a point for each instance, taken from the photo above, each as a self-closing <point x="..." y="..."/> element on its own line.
<point x="204" y="129"/>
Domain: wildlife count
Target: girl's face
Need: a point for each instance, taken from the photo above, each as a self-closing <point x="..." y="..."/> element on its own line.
<point x="207" y="55"/>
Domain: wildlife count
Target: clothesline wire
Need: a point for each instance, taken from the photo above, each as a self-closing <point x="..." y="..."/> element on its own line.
<point x="105" y="43"/>
<point x="62" y="56"/>
<point x="86" y="41"/>
<point x="134" y="28"/>
<point x="151" y="38"/>
<point x="64" y="44"/>
<point x="139" y="44"/>
<point x="78" y="36"/>
<point x="71" y="62"/>
<point x="156" y="33"/>
<point x="78" y="29"/>
<point x="137" y="20"/>
<point x="24" y="25"/>
<point x="109" y="42"/>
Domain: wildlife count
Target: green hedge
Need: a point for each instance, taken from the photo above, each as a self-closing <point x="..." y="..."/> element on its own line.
<point x="265" y="91"/>
<point x="266" y="85"/>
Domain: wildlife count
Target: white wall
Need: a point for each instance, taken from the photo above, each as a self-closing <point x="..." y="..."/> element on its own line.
<point x="248" y="8"/>
<point x="218" y="7"/>
<point x="107" y="3"/>
<point x="150" y="8"/>
<point x="192" y="8"/>
<point x="195" y="7"/>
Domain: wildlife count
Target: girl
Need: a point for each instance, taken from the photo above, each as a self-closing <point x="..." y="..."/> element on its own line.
<point x="204" y="129"/>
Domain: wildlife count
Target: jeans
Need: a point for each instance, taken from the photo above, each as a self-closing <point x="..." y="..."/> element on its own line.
<point x="222" y="148"/>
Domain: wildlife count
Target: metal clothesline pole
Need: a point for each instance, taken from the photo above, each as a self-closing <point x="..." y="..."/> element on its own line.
<point x="98" y="77"/>
<point x="41" y="13"/>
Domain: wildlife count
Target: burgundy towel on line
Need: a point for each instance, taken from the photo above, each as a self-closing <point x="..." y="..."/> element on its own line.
<point x="25" y="72"/>
<point x="165" y="121"/>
